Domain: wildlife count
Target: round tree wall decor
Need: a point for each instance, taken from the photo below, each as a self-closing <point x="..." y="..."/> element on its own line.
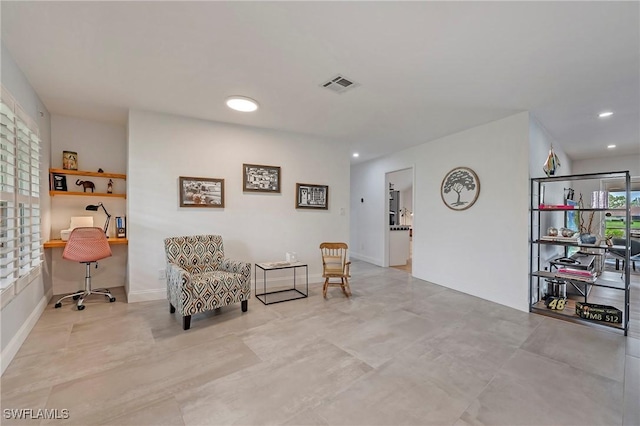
<point x="460" y="188"/>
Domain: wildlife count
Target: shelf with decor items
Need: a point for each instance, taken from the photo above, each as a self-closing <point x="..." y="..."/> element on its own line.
<point x="54" y="173"/>
<point x="554" y="271"/>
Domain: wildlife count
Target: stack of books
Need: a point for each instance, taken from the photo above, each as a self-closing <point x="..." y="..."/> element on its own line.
<point x="576" y="274"/>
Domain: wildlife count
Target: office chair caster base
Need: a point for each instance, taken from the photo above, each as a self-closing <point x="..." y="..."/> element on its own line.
<point x="58" y="305"/>
<point x="80" y="307"/>
<point x="112" y="299"/>
<point x="76" y="297"/>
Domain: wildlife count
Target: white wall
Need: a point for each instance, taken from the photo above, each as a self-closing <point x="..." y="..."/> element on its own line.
<point x="255" y="227"/>
<point x="99" y="146"/>
<point x="609" y="164"/>
<point x="540" y="142"/>
<point x="481" y="251"/>
<point x="23" y="306"/>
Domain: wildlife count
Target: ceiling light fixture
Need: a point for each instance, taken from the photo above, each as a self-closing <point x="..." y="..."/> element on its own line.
<point x="242" y="103"/>
<point x="356" y="155"/>
<point x="605" y="114"/>
<point x="611" y="146"/>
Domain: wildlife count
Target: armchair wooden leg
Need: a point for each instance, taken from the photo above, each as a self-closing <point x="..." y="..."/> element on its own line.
<point x="325" y="287"/>
<point x="346" y="284"/>
<point x="244" y="305"/>
<point x="186" y="322"/>
<point x="172" y="309"/>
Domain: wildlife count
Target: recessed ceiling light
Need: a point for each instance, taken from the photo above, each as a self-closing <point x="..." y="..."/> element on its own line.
<point x="611" y="146"/>
<point x="605" y="114"/>
<point x="356" y="155"/>
<point x="242" y="103"/>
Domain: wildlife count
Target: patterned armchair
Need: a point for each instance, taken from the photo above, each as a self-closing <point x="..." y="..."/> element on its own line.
<point x="200" y="279"/>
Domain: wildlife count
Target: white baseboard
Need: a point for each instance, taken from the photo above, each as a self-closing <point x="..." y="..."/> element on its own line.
<point x="147" y="295"/>
<point x="16" y="342"/>
<point x="366" y="259"/>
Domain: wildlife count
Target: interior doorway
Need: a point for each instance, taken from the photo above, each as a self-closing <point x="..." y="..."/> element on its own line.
<point x="400" y="219"/>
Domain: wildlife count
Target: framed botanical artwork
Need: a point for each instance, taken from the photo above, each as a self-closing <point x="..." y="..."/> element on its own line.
<point x="309" y="196"/>
<point x="259" y="178"/>
<point x="201" y="192"/>
<point x="460" y="188"/>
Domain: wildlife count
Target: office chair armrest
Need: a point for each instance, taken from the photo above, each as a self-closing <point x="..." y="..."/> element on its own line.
<point x="235" y="266"/>
<point x="178" y="277"/>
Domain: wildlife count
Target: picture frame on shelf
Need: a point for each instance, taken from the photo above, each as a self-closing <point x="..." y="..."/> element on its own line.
<point x="260" y="178"/>
<point x="310" y="196"/>
<point x="59" y="182"/>
<point x="69" y="160"/>
<point x="460" y="188"/>
<point x="201" y="192"/>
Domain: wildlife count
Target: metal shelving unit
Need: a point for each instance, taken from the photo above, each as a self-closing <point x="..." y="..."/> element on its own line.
<point x="539" y="275"/>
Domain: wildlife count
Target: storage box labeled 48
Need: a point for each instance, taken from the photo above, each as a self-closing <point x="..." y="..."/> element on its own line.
<point x="598" y="312"/>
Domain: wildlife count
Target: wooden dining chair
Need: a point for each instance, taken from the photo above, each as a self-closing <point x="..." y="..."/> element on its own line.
<point x="335" y="265"/>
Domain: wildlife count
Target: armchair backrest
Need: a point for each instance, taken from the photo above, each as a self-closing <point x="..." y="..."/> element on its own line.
<point x="334" y="258"/>
<point x="196" y="253"/>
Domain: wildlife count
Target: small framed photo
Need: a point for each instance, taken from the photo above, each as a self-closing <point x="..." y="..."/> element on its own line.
<point x="201" y="192"/>
<point x="460" y="188"/>
<point x="259" y="178"/>
<point x="69" y="160"/>
<point x="309" y="196"/>
<point x="59" y="182"/>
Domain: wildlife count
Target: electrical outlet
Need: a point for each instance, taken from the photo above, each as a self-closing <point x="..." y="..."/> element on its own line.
<point x="162" y="274"/>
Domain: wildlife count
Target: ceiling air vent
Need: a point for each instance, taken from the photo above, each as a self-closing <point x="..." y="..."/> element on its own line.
<point x="339" y="84"/>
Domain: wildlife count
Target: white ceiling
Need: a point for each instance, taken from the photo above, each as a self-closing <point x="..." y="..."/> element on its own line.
<point x="425" y="69"/>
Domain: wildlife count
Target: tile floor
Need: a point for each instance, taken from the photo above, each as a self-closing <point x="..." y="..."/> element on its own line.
<point x="401" y="351"/>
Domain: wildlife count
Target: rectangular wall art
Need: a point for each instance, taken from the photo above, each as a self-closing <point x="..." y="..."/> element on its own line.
<point x="309" y="196"/>
<point x="201" y="192"/>
<point x="260" y="178"/>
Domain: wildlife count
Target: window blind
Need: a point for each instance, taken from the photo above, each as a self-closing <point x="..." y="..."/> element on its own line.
<point x="20" y="235"/>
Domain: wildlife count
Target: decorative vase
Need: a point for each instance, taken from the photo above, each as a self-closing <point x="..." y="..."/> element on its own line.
<point x="587" y="239"/>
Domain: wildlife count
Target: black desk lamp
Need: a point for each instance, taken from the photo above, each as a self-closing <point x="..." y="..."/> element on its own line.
<point x="94" y="207"/>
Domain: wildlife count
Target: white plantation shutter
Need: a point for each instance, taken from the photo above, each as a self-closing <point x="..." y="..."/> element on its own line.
<point x="20" y="236"/>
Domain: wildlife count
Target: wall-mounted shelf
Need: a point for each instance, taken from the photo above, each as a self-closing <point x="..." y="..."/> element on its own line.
<point x="87" y="194"/>
<point x="92" y="174"/>
<point x="53" y="192"/>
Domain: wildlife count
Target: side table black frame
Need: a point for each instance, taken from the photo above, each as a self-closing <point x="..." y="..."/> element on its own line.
<point x="274" y="266"/>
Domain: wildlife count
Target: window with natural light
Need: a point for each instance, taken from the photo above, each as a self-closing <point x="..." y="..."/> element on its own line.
<point x="615" y="224"/>
<point x="20" y="237"/>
